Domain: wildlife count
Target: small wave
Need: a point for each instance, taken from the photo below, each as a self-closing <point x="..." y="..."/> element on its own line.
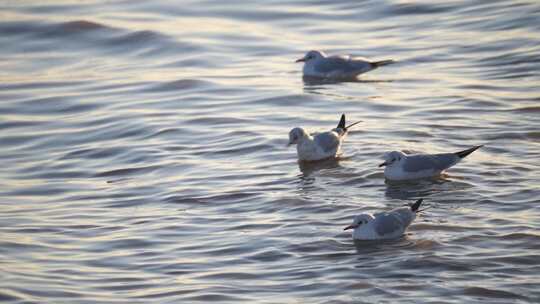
<point x="243" y="150"/>
<point x="506" y="135"/>
<point x="286" y="100"/>
<point x="57" y="105"/>
<point x="60" y="295"/>
<point x="178" y="85"/>
<point x="121" y="244"/>
<point x="413" y="134"/>
<point x="61" y="175"/>
<point x="214" y="121"/>
<point x="491" y="293"/>
<point x="526" y="238"/>
<point x="229" y="198"/>
<point x="186" y="62"/>
<point x="94" y="153"/>
<point x="134" y="38"/>
<point x="76" y="27"/>
<point x="229" y="276"/>
<point x="127" y="171"/>
<point x="41" y="191"/>
<point x="40" y="85"/>
<point x="511" y="59"/>
<point x="18" y="124"/>
<point x="122" y="286"/>
<point x="4" y="296"/>
<point x="179" y="199"/>
<point x="81" y="26"/>
<point x="419" y="9"/>
<point x="441" y="263"/>
<point x="166" y="132"/>
<point x="215" y="297"/>
<point x="49" y="29"/>
<point x="145" y="43"/>
<point x="88" y="35"/>
<point x="534" y="135"/>
<point x="531" y="109"/>
<point x="163" y="295"/>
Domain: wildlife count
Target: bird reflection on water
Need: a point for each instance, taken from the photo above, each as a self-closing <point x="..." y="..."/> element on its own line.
<point x="310" y="81"/>
<point x="309" y="168"/>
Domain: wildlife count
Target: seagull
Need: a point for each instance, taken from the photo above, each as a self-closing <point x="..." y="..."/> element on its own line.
<point x="318" y="146"/>
<point x="384" y="225"/>
<point x="400" y="166"/>
<point x="317" y="64"/>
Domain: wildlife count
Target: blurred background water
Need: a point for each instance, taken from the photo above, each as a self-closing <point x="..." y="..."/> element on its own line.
<point x="144" y="161"/>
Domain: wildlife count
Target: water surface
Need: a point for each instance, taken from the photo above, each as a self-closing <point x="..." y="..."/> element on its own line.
<point x="144" y="160"/>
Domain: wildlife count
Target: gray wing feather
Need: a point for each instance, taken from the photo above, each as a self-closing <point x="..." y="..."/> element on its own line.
<point x="328" y="141"/>
<point x="387" y="223"/>
<point x="439" y="162"/>
<point x="343" y="64"/>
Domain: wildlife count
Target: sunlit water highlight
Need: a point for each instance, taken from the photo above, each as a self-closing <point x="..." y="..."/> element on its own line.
<point x="144" y="160"/>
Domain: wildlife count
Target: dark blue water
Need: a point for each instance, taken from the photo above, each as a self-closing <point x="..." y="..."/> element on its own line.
<point x="144" y="161"/>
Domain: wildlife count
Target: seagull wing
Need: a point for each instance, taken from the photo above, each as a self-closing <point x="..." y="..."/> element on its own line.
<point x="341" y="64"/>
<point x="434" y="162"/>
<point x="388" y="225"/>
<point x="327" y="141"/>
<point x="404" y="215"/>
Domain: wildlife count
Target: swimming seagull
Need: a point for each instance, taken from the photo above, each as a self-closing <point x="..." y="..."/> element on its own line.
<point x="400" y="166"/>
<point x="317" y="64"/>
<point x="384" y="225"/>
<point x="318" y="146"/>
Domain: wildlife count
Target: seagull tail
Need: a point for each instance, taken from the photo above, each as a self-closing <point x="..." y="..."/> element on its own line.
<point x="415" y="206"/>
<point x="420" y="210"/>
<point x="462" y="154"/>
<point x="382" y="62"/>
<point x="341" y="124"/>
<point x="353" y="124"/>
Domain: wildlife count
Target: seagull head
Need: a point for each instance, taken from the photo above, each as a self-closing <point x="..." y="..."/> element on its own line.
<point x="312" y="56"/>
<point x="295" y="135"/>
<point x="392" y="158"/>
<point x="359" y="220"/>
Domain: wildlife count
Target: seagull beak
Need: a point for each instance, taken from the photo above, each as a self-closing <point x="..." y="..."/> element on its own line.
<point x="300" y="60"/>
<point x="383" y="164"/>
<point x="350" y="227"/>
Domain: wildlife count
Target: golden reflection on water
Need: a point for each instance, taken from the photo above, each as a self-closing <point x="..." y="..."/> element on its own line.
<point x="144" y="151"/>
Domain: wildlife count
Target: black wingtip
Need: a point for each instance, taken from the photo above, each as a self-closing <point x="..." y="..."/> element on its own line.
<point x="353" y="124"/>
<point x="464" y="153"/>
<point x="415" y="206"/>
<point x="383" y="62"/>
<point x="341" y="124"/>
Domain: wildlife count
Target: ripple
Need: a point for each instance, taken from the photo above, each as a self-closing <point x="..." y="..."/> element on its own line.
<point x="5" y="296"/>
<point x="180" y="85"/>
<point x="50" y="29"/>
<point x="127" y="171"/>
<point x="144" y="157"/>
<point x="491" y="293"/>
<point x="532" y="109"/>
<point x="419" y="9"/>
